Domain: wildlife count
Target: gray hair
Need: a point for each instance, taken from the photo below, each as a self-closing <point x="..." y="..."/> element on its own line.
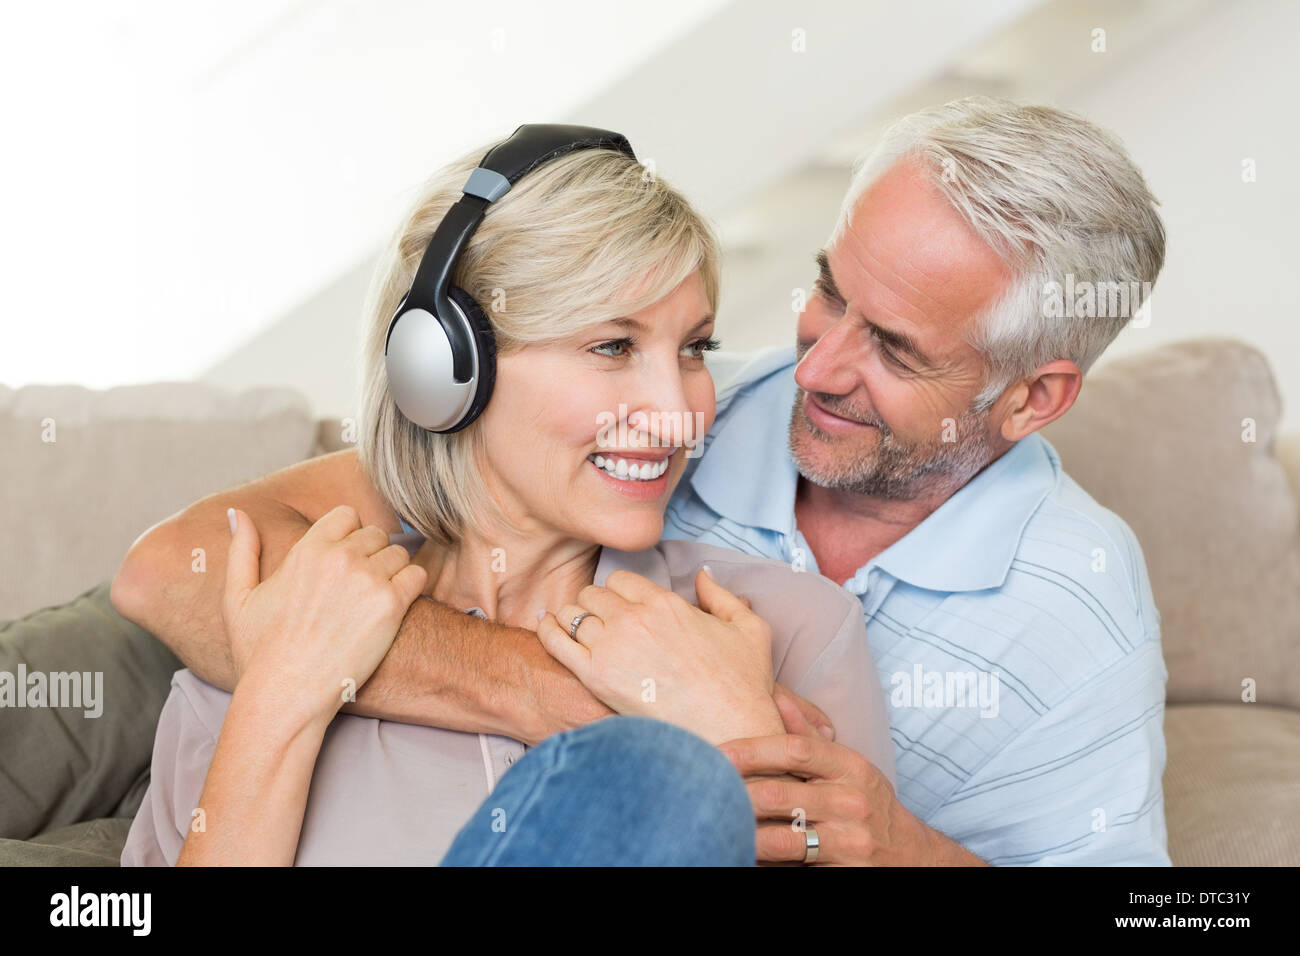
<point x="1060" y="201"/>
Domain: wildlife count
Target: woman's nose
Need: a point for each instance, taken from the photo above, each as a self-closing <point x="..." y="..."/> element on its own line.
<point x="661" y="412"/>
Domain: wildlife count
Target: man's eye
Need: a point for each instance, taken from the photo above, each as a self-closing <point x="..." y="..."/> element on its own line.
<point x="615" y="344"/>
<point x="889" y="354"/>
<point x="820" y="288"/>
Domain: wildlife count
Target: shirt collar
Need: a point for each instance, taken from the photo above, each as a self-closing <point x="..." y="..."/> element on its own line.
<point x="746" y="475"/>
<point x="649" y="563"/>
<point x="969" y="541"/>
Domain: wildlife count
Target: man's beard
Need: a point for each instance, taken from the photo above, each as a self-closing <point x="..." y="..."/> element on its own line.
<point x="892" y="469"/>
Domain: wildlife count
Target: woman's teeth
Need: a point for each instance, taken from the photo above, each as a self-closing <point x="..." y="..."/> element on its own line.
<point x="624" y="470"/>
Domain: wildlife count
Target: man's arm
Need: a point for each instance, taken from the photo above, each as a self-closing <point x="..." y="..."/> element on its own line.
<point x="943" y="850"/>
<point x="445" y="668"/>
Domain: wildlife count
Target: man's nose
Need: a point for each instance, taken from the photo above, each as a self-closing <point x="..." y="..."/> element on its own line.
<point x="830" y="366"/>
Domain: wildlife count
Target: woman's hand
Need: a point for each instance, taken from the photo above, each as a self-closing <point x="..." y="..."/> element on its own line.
<point x="316" y="629"/>
<point x="648" y="651"/>
<point x="303" y="641"/>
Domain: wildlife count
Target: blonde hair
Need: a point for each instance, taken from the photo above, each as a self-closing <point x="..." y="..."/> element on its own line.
<point x="1055" y="195"/>
<point x="586" y="238"/>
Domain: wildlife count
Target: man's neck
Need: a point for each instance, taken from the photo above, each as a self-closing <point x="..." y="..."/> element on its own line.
<point x="846" y="530"/>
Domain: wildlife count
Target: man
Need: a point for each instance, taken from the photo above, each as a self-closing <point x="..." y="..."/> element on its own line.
<point x="1010" y="615"/>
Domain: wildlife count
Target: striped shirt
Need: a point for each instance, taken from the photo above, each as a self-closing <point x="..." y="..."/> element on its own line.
<point x="1013" y="630"/>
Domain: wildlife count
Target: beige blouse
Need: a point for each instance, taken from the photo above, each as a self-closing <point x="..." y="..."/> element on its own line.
<point x="389" y="793"/>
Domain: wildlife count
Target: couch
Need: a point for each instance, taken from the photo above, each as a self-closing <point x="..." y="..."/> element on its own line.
<point x="1181" y="441"/>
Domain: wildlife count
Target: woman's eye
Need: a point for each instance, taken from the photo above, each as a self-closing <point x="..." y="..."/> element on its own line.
<point x="615" y="344"/>
<point x="700" y="346"/>
<point x="617" y="348"/>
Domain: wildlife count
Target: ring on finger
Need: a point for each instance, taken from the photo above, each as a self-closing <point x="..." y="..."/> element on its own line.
<point x="812" y="845"/>
<point x="573" y="625"/>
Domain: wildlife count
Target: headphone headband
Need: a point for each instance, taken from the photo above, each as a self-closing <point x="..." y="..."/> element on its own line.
<point x="529" y="146"/>
<point x="535" y="144"/>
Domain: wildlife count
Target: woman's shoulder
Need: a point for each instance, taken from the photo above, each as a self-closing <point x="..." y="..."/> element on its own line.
<point x="755" y="576"/>
<point x="194" y="699"/>
<point x="807" y="613"/>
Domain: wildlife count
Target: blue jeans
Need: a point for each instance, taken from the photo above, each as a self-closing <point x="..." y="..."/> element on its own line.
<point x="622" y="791"/>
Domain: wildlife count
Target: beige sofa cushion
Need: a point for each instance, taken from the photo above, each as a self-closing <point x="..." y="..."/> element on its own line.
<point x="1232" y="785"/>
<point x="121" y="460"/>
<point x="1157" y="438"/>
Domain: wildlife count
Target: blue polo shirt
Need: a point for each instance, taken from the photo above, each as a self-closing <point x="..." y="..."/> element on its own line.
<point x="1014" y="631"/>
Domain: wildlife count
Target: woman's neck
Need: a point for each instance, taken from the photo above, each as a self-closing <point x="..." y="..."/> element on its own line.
<point x="511" y="577"/>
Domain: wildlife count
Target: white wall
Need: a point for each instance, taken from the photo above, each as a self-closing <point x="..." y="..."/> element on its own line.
<point x="179" y="175"/>
<point x="1190" y="110"/>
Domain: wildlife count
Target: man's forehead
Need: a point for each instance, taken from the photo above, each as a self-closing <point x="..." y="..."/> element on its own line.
<point x="906" y="252"/>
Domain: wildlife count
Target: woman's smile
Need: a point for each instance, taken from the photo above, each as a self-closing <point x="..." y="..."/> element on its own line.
<point x="643" y="477"/>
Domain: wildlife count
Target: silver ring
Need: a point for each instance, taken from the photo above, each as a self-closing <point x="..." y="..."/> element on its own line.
<point x="812" y="846"/>
<point x="573" y="627"/>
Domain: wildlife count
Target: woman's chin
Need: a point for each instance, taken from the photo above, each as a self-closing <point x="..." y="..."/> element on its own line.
<point x="637" y="535"/>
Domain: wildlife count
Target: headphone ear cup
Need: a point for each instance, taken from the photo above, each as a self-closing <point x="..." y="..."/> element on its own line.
<point x="485" y="343"/>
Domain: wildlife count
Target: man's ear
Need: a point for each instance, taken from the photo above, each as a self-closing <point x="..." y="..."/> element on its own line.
<point x="1041" y="400"/>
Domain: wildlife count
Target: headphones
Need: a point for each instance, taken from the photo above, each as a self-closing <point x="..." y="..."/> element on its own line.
<point x="440" y="351"/>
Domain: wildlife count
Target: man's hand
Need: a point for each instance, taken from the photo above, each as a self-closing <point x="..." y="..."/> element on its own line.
<point x="801" y="716"/>
<point x="852" y="806"/>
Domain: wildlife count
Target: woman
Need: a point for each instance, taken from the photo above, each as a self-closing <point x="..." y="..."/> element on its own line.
<point x="603" y="284"/>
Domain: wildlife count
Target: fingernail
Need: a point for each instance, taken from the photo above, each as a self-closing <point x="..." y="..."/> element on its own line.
<point x="826" y="731"/>
<point x="706" y="569"/>
<point x="541" y="614"/>
<point x="234" y="522"/>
